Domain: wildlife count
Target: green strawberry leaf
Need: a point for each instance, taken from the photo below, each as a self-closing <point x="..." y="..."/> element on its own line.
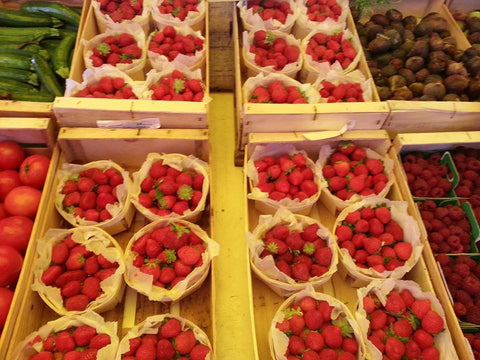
<point x="180" y="230"/>
<point x="170" y="256"/>
<point x="289" y="312"/>
<point x="175" y="11"/>
<point x="414" y="321"/>
<point x="178" y="85"/>
<point x="185" y="192"/>
<point x="103" y="49"/>
<point x="309" y="248"/>
<point x="272" y="247"/>
<point x="127" y="56"/>
<point x="269" y="39"/>
<point x="260" y="9"/>
<point x="162" y="203"/>
<point x="158" y="195"/>
<point x="343" y="324"/>
<point x="74" y="178"/>
<point x="69" y="209"/>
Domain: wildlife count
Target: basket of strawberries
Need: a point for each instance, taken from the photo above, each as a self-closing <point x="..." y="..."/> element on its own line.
<point x="315" y="326"/>
<point x="290" y="252"/>
<point x="126" y="12"/>
<point x="272" y="14"/>
<point x="398" y="320"/>
<point x="167" y="336"/>
<point x="85" y="336"/>
<point x="168" y="259"/>
<point x="78" y="270"/>
<point x="178" y="13"/>
<point x="95" y="194"/>
<point x="377" y="240"/>
<point x="122" y="46"/>
<point x="282" y="176"/>
<point x="336" y="87"/>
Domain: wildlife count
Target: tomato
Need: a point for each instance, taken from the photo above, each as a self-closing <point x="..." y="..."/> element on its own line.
<point x="23" y="200"/>
<point x="3" y="212"/>
<point x="11" y="155"/>
<point x="33" y="170"/>
<point x="15" y="232"/>
<point x="6" y="297"/>
<point x="10" y="265"/>
<point x="9" y="179"/>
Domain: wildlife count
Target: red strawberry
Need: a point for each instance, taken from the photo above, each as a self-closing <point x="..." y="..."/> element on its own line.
<point x="199" y="352"/>
<point x="421" y="307"/>
<point x="83" y="334"/>
<point x="43" y="355"/>
<point x="100" y="341"/>
<point x="91" y="287"/>
<point x="71" y="288"/>
<point x="378" y="319"/>
<point x="383" y="214"/>
<point x="332" y="336"/>
<point x="432" y="322"/>
<point x="64" y="342"/>
<point x="77" y="303"/>
<point x="170" y="329"/>
<point x="50" y="275"/>
<point x="423" y="338"/>
<point x="185" y="341"/>
<point x="394" y="348"/>
<point x="403" y="250"/>
<point x="395" y="303"/>
<point x="375" y="166"/>
<point x="59" y="253"/>
<point x="313" y="319"/>
<point x="296" y="345"/>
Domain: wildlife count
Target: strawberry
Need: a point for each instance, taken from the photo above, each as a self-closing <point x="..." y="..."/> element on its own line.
<point x="296" y="345"/>
<point x="83" y="335"/>
<point x="403" y="250"/>
<point x="100" y="341"/>
<point x="394" y="348"/>
<point x="43" y="355"/>
<point x="423" y="338"/>
<point x="75" y="262"/>
<point x="64" y="342"/>
<point x="59" y="253"/>
<point x="395" y="303"/>
<point x="383" y="214"/>
<point x="50" y="275"/>
<point x="199" y="352"/>
<point x="185" y="341"/>
<point x="313" y="319"/>
<point x="332" y="336"/>
<point x="432" y="322"/>
<point x="421" y="307"/>
<point x="164" y="350"/>
<point x="170" y="329"/>
<point x="77" y="303"/>
<point x="91" y="287"/>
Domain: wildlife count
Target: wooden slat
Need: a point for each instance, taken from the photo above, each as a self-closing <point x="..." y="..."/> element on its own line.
<point x="36" y="131"/>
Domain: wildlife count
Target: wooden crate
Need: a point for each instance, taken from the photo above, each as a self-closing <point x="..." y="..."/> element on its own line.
<point x="418" y="116"/>
<point x="258" y="118"/>
<point x="84" y="145"/>
<point x="86" y="112"/>
<point x="29" y="108"/>
<point x="429" y="142"/>
<point x="36" y="136"/>
<point x="265" y="302"/>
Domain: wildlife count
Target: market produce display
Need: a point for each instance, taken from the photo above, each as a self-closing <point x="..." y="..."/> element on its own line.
<point x="30" y="70"/>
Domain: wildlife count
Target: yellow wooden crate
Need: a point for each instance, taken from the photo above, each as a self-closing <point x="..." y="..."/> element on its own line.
<point x="431" y="142"/>
<point x="37" y="136"/>
<point x="265" y="302"/>
<point x="31" y="108"/>
<point x="85" y="112"/>
<point x="84" y="145"/>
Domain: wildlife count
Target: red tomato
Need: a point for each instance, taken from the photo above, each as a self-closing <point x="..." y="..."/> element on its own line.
<point x="11" y="155"/>
<point x="23" y="200"/>
<point x="9" y="179"/>
<point x="10" y="265"/>
<point x="33" y="170"/>
<point x="15" y="232"/>
<point x="3" y="212"/>
<point x="6" y="297"/>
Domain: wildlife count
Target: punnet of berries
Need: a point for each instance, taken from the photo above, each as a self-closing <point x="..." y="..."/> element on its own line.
<point x="110" y="12"/>
<point x="468" y="168"/>
<point x="280" y="175"/>
<point x="93" y="194"/>
<point x="427" y="174"/>
<point x="336" y="87"/>
<point x="83" y="337"/>
<point x="351" y="173"/>
<point x="321" y="14"/>
<point x="278" y="89"/>
<point x="378" y="239"/>
<point x="175" y="85"/>
<point x="122" y="46"/>
<point x="171" y="186"/>
<point x="105" y="81"/>
<point x="272" y="14"/>
<point x="400" y="321"/>
<point x="289" y="252"/>
<point x="311" y="325"/>
<point x="271" y="51"/>
<point x="178" y="46"/>
<point x="165" y="336"/>
<point x="462" y="276"/>
<point x="79" y="270"/>
<point x="473" y="339"/>
<point x="179" y="12"/>
<point x="168" y="259"/>
<point x="332" y="49"/>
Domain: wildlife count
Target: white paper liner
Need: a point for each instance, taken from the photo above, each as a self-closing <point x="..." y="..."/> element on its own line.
<point x="353" y="77"/>
<point x="115" y="30"/>
<point x="303" y="25"/>
<point x="312" y="69"/>
<point x="143" y="283"/>
<point x="118" y="210"/>
<point x="25" y="349"/>
<point x="443" y="340"/>
<point x="179" y="162"/>
<point x="313" y="97"/>
<point x="411" y="234"/>
<point x="279" y="341"/>
<point x="152" y="324"/>
<point x="276" y="150"/>
<point x="194" y="19"/>
<point x="290" y="69"/>
<point x="266" y="266"/>
<point x="93" y="76"/>
<point x="95" y="240"/>
<point x="160" y="62"/>
<point x="326" y="151"/>
<point x="251" y="19"/>
<point x="154" y="76"/>
<point x="105" y="22"/>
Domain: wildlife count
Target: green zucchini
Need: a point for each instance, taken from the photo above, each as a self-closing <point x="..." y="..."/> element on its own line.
<point x="20" y="19"/>
<point x="21" y="35"/>
<point x="78" y="10"/>
<point x="70" y="27"/>
<point x="27" y="50"/>
<point x="32" y="96"/>
<point x="24" y="76"/>
<point x="59" y="11"/>
<point x="66" y="32"/>
<point x="60" y="55"/>
<point x="37" y="49"/>
<point x="46" y="76"/>
<point x="16" y="61"/>
<point x="50" y="44"/>
<point x="14" y="85"/>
